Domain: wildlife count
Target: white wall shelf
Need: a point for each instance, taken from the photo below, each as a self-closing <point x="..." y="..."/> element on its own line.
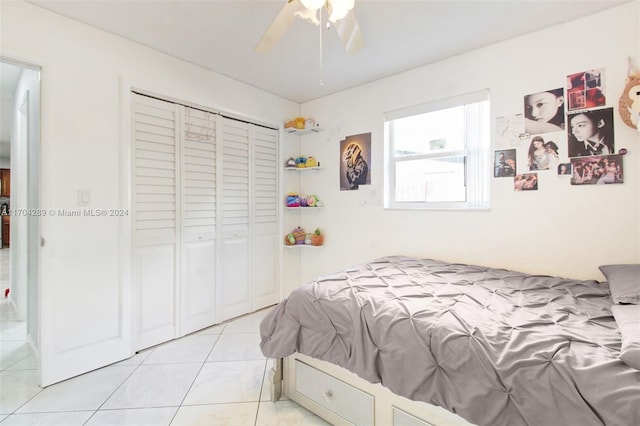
<point x="303" y="246"/>
<point x="303" y="208"/>
<point x="300" y="132"/>
<point x="302" y="169"/>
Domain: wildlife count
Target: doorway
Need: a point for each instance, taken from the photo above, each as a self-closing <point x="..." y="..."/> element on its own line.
<point x="19" y="200"/>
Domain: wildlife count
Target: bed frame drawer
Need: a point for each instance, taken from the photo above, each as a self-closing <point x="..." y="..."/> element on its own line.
<point x="335" y="395"/>
<point x="400" y="418"/>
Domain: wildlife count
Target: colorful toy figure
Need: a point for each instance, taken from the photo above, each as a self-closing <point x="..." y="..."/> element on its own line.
<point x="312" y="201"/>
<point x="311" y="162"/>
<point x="301" y="162"/>
<point x="291" y="162"/>
<point x="293" y="200"/>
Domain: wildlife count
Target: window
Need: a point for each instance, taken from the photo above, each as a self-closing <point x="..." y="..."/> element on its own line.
<point x="437" y="154"/>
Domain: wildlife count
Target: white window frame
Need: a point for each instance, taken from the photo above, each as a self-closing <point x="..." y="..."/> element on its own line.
<point x="477" y="153"/>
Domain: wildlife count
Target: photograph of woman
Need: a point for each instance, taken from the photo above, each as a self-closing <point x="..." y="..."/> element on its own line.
<point x="544" y="111"/>
<point x="564" y="169"/>
<point x="542" y="156"/>
<point x="597" y="170"/>
<point x="591" y="133"/>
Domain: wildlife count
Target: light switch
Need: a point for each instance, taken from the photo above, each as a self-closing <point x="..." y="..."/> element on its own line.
<point x="84" y="197"/>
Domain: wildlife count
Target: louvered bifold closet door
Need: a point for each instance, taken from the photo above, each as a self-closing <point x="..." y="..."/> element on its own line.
<point x="198" y="253"/>
<point x="155" y="173"/>
<point x="265" y="216"/>
<point x="233" y="289"/>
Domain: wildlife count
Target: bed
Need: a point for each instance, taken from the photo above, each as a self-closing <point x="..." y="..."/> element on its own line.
<point x="408" y="341"/>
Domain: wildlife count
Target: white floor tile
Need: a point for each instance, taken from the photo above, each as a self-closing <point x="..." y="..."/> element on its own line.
<point x="286" y="413"/>
<point x="241" y="414"/>
<point x="222" y="382"/>
<point x="237" y="347"/>
<point x="26" y="363"/>
<point x="154" y="386"/>
<point x="193" y="348"/>
<point x="12" y="352"/>
<point x="85" y="392"/>
<point x="48" y="419"/>
<point x="247" y="324"/>
<point x="16" y="388"/>
<point x="133" y="417"/>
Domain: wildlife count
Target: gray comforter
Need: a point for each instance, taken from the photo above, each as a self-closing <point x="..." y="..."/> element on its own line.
<point x="497" y="347"/>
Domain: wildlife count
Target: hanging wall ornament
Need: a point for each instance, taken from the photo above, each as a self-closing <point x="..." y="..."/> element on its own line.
<point x="629" y="105"/>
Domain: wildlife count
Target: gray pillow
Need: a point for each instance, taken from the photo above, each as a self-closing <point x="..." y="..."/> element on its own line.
<point x="624" y="282"/>
<point x="628" y="320"/>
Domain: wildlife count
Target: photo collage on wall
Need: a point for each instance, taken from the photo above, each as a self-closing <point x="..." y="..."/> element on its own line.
<point x="567" y="131"/>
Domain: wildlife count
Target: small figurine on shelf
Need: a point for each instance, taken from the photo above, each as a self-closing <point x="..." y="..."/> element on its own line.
<point x="311" y="162"/>
<point x="299" y="235"/>
<point x="303" y="201"/>
<point x="301" y="162"/>
<point x="293" y="200"/>
<point x="312" y="201"/>
<point x="291" y="163"/>
<point x="317" y="239"/>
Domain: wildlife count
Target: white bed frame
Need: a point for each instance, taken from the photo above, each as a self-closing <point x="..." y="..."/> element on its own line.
<point x="344" y="399"/>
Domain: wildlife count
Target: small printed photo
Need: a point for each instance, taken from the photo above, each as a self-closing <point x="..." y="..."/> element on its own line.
<point x="597" y="170"/>
<point x="526" y="182"/>
<point x="586" y="90"/>
<point x="505" y="163"/>
<point x="544" y="111"/>
<point x="543" y="151"/>
<point x="590" y="133"/>
<point x="564" y="169"/>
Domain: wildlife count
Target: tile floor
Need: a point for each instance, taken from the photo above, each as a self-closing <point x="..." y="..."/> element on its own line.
<point x="217" y="376"/>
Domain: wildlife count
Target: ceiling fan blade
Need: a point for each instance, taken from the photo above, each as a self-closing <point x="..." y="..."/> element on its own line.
<point x="349" y="33"/>
<point x="279" y="26"/>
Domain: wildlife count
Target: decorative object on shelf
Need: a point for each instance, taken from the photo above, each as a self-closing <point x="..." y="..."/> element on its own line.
<point x="290" y="239"/>
<point x="303" y="201"/>
<point x="311" y="162"/>
<point x="309" y="123"/>
<point x="301" y="162"/>
<point x="307" y="239"/>
<point x="312" y="200"/>
<point x="317" y="239"/>
<point x="300" y="123"/>
<point x="299" y="235"/>
<point x="293" y="200"/>
<point x="291" y="163"/>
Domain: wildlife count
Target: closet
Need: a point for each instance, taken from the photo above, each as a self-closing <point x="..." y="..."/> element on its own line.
<point x="205" y="219"/>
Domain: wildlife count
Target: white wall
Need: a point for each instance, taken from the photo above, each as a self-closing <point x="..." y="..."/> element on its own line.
<point x="560" y="229"/>
<point x="83" y="72"/>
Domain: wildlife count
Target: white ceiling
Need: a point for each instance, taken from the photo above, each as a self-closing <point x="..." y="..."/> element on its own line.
<point x="399" y="35"/>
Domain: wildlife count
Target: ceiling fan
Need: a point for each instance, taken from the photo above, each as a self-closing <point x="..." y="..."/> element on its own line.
<point x="340" y="15"/>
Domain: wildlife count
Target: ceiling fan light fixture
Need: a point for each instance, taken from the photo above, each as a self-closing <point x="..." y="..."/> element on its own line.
<point x="339" y="9"/>
<point x="312" y="4"/>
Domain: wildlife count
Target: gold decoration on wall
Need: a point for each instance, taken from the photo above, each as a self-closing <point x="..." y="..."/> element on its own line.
<point x="629" y="105"/>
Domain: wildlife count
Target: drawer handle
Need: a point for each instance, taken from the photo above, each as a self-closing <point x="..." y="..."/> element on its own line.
<point x="328" y="395"/>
